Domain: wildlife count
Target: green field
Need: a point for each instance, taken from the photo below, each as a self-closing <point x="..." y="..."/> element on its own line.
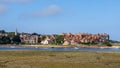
<point x="58" y="59"/>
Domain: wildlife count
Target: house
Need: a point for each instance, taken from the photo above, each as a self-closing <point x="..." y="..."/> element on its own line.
<point x="73" y="42"/>
<point x="45" y="42"/>
<point x="84" y="38"/>
<point x="29" y="38"/>
<point x="48" y="40"/>
<point x="66" y="43"/>
<point x="3" y="34"/>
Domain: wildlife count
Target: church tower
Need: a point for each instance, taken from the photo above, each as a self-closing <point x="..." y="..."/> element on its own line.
<point x="16" y="32"/>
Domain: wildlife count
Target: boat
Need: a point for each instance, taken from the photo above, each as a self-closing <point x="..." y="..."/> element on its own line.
<point x="12" y="46"/>
<point x="76" y="48"/>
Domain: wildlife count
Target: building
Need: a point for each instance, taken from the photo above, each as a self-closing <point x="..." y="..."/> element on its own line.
<point x="48" y="40"/>
<point x="29" y="38"/>
<point x="84" y="38"/>
<point x="16" y="32"/>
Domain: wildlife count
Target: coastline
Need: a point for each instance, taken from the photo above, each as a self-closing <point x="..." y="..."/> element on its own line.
<point x="48" y="46"/>
<point x="61" y="46"/>
<point x="67" y="46"/>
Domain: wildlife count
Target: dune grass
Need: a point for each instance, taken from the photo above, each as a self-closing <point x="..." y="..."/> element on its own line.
<point x="58" y="59"/>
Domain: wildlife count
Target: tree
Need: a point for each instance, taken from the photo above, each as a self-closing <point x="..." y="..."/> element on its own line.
<point x="2" y="31"/>
<point x="5" y="40"/>
<point x="11" y="34"/>
<point x="59" y="39"/>
<point x="43" y="37"/>
<point x="34" y="34"/>
<point x="16" y="40"/>
<point x="107" y="43"/>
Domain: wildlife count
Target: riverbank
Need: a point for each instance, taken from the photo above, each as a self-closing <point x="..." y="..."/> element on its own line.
<point x="58" y="59"/>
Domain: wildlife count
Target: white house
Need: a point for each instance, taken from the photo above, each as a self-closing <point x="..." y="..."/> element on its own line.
<point x="46" y="42"/>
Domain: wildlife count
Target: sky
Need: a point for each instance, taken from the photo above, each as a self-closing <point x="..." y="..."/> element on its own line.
<point x="61" y="16"/>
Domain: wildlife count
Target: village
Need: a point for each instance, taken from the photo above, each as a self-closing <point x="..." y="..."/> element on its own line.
<point x="56" y="39"/>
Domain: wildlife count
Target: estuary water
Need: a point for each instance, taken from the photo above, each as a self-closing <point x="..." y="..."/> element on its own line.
<point x="4" y="48"/>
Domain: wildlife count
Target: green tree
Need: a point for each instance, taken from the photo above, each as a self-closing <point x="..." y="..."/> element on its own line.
<point x="2" y="31"/>
<point x="59" y="40"/>
<point x="11" y="34"/>
<point x="43" y="37"/>
<point x="34" y="34"/>
<point x="16" y="39"/>
<point x="107" y="43"/>
<point x="5" y="40"/>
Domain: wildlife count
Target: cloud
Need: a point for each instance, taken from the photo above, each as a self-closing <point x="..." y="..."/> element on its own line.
<point x="14" y="1"/>
<point x="50" y="10"/>
<point x="3" y="9"/>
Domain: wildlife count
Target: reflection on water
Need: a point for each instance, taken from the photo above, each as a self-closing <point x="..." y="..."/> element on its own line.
<point x="61" y="49"/>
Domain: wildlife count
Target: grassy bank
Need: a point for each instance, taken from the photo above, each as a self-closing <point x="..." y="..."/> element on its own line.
<point x="116" y="44"/>
<point x="58" y="59"/>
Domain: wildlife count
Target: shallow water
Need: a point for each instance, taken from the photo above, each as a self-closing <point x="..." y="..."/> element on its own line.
<point x="62" y="49"/>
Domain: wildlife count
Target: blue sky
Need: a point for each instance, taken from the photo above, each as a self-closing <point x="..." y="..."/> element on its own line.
<point x="58" y="16"/>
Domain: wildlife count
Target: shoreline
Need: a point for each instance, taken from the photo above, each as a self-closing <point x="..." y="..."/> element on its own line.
<point x="69" y="46"/>
<point x="61" y="46"/>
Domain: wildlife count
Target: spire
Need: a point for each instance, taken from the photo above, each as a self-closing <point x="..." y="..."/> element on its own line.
<point x="16" y="32"/>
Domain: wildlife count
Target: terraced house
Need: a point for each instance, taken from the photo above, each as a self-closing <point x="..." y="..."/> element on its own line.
<point x="69" y="38"/>
<point x="84" y="38"/>
<point x="29" y="38"/>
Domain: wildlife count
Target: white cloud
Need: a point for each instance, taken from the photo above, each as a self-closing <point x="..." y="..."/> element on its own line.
<point x="50" y="10"/>
<point x="3" y="9"/>
<point x="14" y="1"/>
